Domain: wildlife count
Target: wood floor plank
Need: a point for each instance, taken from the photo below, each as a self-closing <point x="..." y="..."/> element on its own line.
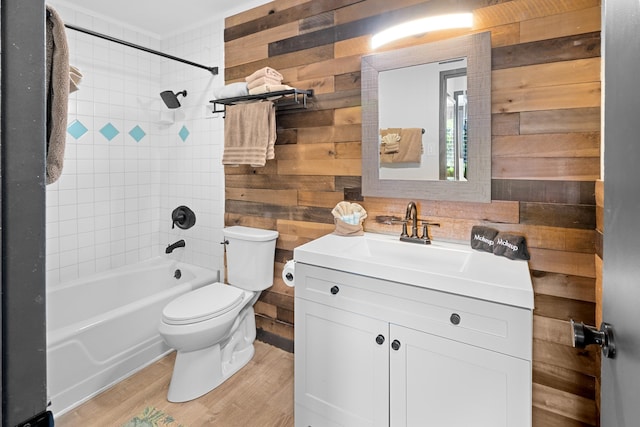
<point x="261" y="392"/>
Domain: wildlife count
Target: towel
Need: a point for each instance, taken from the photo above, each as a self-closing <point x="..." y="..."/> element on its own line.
<point x="249" y="134"/>
<point x="268" y="88"/>
<point x="231" y="90"/>
<point x="482" y="238"/>
<point x="512" y="246"/>
<point x="263" y="81"/>
<point x="75" y="77"/>
<point x="390" y="143"/>
<point x="410" y="146"/>
<point x="264" y="72"/>
<point x="57" y="84"/>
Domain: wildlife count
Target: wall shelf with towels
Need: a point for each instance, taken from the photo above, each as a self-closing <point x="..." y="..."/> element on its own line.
<point x="285" y="97"/>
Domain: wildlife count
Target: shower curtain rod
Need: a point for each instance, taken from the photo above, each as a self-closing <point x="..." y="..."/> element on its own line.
<point x="212" y="70"/>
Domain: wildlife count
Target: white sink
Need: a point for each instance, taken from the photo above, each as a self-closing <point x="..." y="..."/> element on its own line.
<point x="444" y="266"/>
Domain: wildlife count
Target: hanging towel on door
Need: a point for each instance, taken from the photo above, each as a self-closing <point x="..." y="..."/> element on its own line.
<point x="249" y="134"/>
<point x="57" y="83"/>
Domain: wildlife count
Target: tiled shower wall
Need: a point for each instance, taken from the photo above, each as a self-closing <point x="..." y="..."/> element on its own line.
<point x="129" y="160"/>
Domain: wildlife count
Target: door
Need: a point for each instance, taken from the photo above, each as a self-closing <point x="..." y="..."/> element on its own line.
<point x="621" y="267"/>
<point x="436" y="382"/>
<point x="342" y="368"/>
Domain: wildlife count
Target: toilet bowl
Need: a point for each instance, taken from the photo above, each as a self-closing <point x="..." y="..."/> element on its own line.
<point x="213" y="327"/>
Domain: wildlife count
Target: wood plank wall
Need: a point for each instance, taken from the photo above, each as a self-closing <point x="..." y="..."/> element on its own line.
<point x="545" y="156"/>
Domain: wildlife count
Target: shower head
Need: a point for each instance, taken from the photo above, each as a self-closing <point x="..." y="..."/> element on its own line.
<point x="171" y="99"/>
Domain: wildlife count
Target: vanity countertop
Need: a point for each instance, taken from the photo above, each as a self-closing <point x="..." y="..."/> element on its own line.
<point x="441" y="266"/>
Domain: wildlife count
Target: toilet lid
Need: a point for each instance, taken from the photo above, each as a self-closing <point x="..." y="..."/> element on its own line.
<point x="202" y="304"/>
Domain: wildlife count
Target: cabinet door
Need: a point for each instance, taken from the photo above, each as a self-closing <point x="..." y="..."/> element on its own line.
<point x="440" y="382"/>
<point x="342" y="369"/>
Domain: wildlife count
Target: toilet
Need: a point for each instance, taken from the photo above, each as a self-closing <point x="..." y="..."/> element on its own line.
<point x="213" y="327"/>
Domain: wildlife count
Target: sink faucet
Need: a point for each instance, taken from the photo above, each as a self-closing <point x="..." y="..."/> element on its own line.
<point x="179" y="244"/>
<point x="412" y="215"/>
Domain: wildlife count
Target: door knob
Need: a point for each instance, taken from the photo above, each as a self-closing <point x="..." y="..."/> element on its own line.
<point x="584" y="335"/>
<point x="380" y="339"/>
<point x="395" y="345"/>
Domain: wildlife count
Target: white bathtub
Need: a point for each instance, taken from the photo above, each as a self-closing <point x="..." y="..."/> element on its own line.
<point x="103" y="328"/>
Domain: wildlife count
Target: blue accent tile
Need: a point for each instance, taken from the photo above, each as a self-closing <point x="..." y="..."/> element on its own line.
<point x="76" y="129"/>
<point x="184" y="133"/>
<point x="137" y="133"/>
<point x="109" y="131"/>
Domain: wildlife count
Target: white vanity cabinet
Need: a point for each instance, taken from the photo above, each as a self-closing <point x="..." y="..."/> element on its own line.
<point x="371" y="351"/>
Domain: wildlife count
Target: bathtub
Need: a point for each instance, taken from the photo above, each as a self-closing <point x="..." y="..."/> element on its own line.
<point x="103" y="328"/>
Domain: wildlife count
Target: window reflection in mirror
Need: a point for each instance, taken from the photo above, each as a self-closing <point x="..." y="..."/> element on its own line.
<point x="453" y="124"/>
<point x="431" y="97"/>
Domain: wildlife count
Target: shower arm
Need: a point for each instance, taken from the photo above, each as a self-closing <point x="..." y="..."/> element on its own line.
<point x="212" y="70"/>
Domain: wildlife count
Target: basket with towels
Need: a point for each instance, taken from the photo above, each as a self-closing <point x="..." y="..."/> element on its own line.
<point x="348" y="218"/>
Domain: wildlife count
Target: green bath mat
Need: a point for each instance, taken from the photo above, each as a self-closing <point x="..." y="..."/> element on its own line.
<point x="152" y="417"/>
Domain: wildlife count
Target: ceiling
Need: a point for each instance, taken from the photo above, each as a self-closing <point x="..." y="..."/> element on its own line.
<point x="161" y="17"/>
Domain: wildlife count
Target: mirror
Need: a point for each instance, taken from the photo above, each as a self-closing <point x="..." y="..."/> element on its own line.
<point x="436" y="98"/>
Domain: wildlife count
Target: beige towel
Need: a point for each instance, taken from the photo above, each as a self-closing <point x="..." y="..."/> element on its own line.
<point x="75" y="77"/>
<point x="263" y="81"/>
<point x="249" y="134"/>
<point x="410" y="150"/>
<point x="57" y="83"/>
<point x="268" y="88"/>
<point x="264" y="72"/>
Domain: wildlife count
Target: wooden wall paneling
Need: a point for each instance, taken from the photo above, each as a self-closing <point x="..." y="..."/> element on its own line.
<point x="571" y="263"/>
<point x="564" y="379"/>
<point x="559" y="25"/>
<point x="562" y="192"/>
<point x="585" y="144"/>
<point x="313" y="183"/>
<point x="231" y="218"/>
<point x="553" y="50"/>
<point x="560" y="168"/>
<point x="543" y="418"/>
<point x="347" y="82"/>
<point x="331" y="66"/>
<point x="506" y="12"/>
<point x="260" y="11"/>
<point x="565" y="120"/>
<point x="285" y="197"/>
<point x="298" y="213"/>
<point x="277" y="18"/>
<point x="309" y="56"/>
<point x="564" y="286"/>
<point x="580" y="360"/>
<point x="566" y="404"/>
<point x="579" y="95"/>
<point x="558" y="215"/>
<point x="255" y="46"/>
<point x="550" y="307"/>
<point x="547" y="74"/>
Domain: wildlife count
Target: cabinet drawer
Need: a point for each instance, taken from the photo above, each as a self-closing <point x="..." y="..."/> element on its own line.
<point x="485" y="324"/>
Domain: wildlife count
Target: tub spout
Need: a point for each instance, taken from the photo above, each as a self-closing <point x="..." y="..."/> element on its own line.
<point x="179" y="244"/>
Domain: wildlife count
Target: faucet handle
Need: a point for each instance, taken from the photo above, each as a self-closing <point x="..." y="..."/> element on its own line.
<point x="425" y="230"/>
<point x="404" y="229"/>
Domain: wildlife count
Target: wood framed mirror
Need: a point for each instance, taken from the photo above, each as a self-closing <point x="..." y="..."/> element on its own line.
<point x="468" y="116"/>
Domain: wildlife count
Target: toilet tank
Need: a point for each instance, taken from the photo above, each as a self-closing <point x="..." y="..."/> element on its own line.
<point x="250" y="257"/>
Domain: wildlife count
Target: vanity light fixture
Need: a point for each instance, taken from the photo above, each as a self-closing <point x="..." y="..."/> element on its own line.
<point x="421" y="26"/>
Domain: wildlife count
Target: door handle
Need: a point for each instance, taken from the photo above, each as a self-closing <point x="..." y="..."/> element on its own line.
<point x="584" y="335"/>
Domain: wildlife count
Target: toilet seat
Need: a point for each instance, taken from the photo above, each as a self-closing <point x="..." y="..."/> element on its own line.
<point x="202" y="304"/>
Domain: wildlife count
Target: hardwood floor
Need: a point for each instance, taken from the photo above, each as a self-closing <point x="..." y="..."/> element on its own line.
<point x="260" y="395"/>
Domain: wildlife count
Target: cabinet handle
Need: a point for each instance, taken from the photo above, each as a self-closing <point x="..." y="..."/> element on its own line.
<point x="335" y="290"/>
<point x="455" y="318"/>
<point x="380" y="339"/>
<point x="395" y="345"/>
